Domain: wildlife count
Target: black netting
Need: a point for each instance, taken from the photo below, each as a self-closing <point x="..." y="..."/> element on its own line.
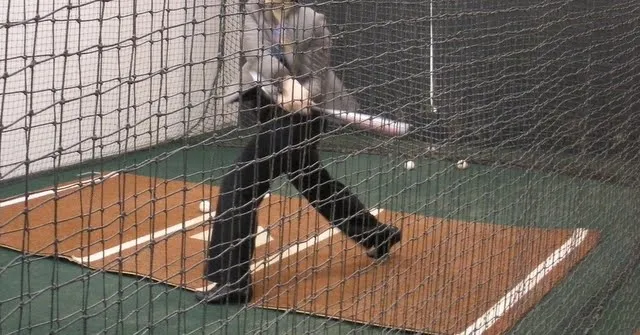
<point x="516" y="187"/>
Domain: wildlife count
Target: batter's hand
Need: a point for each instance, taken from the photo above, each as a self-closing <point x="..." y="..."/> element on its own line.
<point x="294" y="98"/>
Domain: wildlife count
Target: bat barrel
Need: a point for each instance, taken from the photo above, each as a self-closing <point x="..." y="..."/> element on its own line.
<point x="369" y="122"/>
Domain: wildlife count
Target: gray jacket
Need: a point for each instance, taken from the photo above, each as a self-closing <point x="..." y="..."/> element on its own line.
<point x="309" y="61"/>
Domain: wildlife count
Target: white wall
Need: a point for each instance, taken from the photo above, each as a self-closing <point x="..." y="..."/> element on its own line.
<point x="126" y="74"/>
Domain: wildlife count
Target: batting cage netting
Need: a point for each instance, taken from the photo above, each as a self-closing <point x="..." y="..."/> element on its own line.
<point x="499" y="194"/>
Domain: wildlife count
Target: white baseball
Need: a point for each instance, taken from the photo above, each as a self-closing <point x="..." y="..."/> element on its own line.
<point x="205" y="206"/>
<point x="462" y="164"/>
<point x="409" y="165"/>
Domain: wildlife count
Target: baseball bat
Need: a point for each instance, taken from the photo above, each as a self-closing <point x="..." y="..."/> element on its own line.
<point x="363" y="121"/>
<point x="368" y="122"/>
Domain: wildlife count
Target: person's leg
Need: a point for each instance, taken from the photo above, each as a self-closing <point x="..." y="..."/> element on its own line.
<point x="336" y="203"/>
<point x="233" y="230"/>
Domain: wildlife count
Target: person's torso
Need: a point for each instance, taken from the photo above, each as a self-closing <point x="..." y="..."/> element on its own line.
<point x="300" y="41"/>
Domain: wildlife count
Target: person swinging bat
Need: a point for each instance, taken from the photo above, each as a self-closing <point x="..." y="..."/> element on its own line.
<point x="287" y="45"/>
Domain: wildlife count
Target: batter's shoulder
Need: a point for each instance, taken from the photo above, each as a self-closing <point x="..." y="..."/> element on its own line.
<point x="312" y="18"/>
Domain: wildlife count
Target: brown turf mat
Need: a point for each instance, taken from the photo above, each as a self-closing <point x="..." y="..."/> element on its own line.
<point x="444" y="276"/>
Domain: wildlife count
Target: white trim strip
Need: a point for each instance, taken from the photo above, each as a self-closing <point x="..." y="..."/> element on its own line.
<point x="489" y="318"/>
<point x="206" y="288"/>
<point x="61" y="188"/>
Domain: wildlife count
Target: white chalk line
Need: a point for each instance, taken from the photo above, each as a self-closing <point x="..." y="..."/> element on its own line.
<point x="262" y="236"/>
<point x="146" y="238"/>
<point x="59" y="189"/>
<point x="143" y="239"/>
<point x="292" y="250"/>
<point x="512" y="297"/>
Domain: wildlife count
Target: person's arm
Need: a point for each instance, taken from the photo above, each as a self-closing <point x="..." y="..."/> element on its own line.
<point x="274" y="77"/>
<point x="319" y="55"/>
<point x="326" y="89"/>
<point x="293" y="93"/>
<point x="299" y="93"/>
<point x="258" y="58"/>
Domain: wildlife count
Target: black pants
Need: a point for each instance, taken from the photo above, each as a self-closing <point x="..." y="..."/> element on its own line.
<point x="284" y="144"/>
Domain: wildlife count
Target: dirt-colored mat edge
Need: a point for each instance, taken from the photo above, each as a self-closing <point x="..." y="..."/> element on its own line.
<point x="549" y="281"/>
<point x="530" y="300"/>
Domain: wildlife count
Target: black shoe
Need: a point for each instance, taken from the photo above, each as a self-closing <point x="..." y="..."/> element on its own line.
<point x="225" y="294"/>
<point x="392" y="235"/>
